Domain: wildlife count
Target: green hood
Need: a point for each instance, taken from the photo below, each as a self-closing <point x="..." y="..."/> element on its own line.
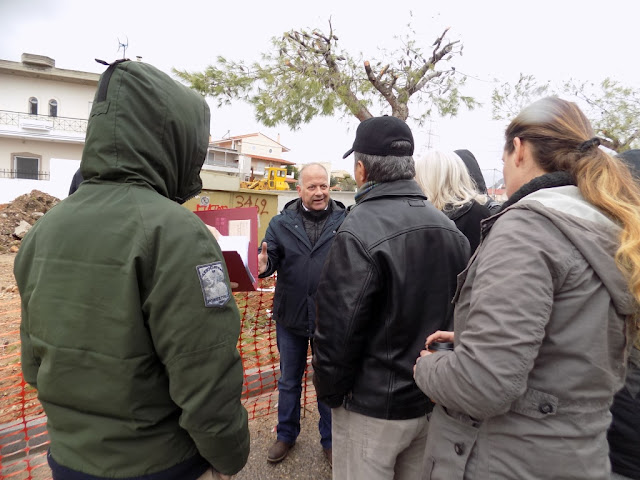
<point x="147" y="129"/>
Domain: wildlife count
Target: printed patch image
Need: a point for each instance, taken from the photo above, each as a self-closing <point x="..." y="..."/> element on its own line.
<point x="214" y="288"/>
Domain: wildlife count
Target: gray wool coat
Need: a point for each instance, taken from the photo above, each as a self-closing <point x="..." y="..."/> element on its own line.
<point x="540" y="348"/>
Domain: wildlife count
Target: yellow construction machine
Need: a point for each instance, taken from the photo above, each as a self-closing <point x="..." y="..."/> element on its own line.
<point x="274" y="179"/>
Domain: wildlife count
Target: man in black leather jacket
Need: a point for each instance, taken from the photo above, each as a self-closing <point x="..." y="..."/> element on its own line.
<point x="388" y="281"/>
<point x="296" y="245"/>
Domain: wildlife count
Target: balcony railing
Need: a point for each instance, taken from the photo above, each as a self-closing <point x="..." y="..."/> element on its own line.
<point x="66" y="124"/>
<point x="26" y="175"/>
<point x="222" y="158"/>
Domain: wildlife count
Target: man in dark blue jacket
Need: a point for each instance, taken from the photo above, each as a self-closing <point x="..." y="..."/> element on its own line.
<point x="296" y="245"/>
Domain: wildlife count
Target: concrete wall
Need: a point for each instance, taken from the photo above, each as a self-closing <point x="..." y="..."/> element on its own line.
<point x="218" y="181"/>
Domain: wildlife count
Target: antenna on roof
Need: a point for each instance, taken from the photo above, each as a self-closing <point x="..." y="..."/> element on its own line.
<point x="123" y="46"/>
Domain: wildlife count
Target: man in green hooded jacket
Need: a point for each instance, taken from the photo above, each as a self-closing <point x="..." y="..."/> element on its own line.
<point x="129" y="328"/>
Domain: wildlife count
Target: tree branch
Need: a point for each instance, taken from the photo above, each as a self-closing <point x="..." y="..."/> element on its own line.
<point x="424" y="80"/>
<point x="414" y="85"/>
<point x="321" y="46"/>
<point x="386" y="90"/>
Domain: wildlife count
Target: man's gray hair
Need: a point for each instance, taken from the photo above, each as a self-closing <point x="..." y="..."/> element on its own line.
<point x="309" y="165"/>
<point x="388" y="168"/>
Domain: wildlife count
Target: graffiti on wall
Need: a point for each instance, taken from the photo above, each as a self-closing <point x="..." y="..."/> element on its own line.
<point x="205" y="205"/>
<point x="261" y="204"/>
<point x="249" y="201"/>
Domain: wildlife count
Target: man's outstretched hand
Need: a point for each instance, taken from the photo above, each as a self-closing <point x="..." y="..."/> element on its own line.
<point x="263" y="259"/>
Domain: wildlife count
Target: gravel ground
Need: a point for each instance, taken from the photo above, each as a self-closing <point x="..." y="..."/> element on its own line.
<point x="306" y="460"/>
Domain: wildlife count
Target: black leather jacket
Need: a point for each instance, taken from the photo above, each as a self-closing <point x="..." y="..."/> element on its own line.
<point x="387" y="284"/>
<point x="298" y="264"/>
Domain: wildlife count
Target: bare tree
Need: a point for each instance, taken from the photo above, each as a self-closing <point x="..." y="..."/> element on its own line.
<point x="306" y="74"/>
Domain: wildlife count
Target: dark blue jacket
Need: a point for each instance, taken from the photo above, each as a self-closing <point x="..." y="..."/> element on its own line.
<point x="298" y="265"/>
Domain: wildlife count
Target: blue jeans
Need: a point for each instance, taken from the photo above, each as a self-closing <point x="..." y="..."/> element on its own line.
<point x="293" y="362"/>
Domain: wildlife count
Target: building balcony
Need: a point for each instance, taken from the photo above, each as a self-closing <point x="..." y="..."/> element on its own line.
<point x="24" y="174"/>
<point x="26" y="125"/>
<point x="222" y="160"/>
<point x="221" y="168"/>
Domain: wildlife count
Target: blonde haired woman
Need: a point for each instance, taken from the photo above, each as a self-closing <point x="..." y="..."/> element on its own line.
<point x="445" y="180"/>
<point x="545" y="313"/>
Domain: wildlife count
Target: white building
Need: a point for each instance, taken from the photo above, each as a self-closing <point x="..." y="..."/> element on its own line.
<point x="253" y="153"/>
<point x="43" y="120"/>
<point x="44" y="112"/>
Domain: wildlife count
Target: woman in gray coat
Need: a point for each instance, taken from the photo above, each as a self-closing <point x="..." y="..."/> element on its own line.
<point x="545" y="313"/>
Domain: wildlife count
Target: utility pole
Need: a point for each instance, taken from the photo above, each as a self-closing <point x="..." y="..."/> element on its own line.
<point x="431" y="135"/>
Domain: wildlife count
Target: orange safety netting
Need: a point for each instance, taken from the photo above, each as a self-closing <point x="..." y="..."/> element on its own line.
<point x="23" y="434"/>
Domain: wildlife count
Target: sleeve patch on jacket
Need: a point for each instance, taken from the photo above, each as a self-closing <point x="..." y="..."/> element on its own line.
<point x="214" y="288"/>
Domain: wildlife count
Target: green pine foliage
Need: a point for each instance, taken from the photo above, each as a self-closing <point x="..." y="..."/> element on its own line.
<point x="612" y="108"/>
<point x="306" y="74"/>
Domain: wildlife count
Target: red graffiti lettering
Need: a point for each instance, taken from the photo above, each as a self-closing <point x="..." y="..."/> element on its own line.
<point x="206" y="208"/>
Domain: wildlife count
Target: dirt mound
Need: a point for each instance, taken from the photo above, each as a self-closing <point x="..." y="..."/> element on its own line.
<point x="25" y="208"/>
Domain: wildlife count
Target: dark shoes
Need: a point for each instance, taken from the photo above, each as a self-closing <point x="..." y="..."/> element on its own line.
<point x="329" y="455"/>
<point x="278" y="451"/>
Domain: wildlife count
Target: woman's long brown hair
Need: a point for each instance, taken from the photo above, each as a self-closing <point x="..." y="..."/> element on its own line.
<point x="559" y="135"/>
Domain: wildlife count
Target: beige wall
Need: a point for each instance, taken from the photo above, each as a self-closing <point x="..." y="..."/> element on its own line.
<point x="226" y="144"/>
<point x="217" y="181"/>
<point x="46" y="150"/>
<point x="265" y="203"/>
<point x="73" y="99"/>
<point x="261" y="145"/>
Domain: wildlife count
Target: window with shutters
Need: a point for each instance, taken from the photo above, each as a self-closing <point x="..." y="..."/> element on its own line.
<point x="26" y="167"/>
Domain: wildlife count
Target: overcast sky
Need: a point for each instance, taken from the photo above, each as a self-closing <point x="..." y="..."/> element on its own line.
<point x="554" y="40"/>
